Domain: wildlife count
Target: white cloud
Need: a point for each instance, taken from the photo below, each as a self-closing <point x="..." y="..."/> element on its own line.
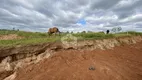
<point x="133" y="18"/>
<point x="124" y="3"/>
<point x="25" y="3"/>
<point x="39" y="15"/>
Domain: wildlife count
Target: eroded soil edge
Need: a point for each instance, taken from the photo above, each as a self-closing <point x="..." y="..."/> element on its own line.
<point x="13" y="58"/>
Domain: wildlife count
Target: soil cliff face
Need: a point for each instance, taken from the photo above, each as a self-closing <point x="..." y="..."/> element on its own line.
<point x="13" y="58"/>
<point x="120" y="63"/>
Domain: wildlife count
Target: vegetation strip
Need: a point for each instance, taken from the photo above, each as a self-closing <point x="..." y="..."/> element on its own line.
<point x="37" y="37"/>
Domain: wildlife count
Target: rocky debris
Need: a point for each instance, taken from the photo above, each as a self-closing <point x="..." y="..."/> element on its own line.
<point x="11" y="77"/>
<point x="5" y="74"/>
<point x="43" y="56"/>
<point x="91" y="68"/>
<point x="5" y="65"/>
<point x="8" y="67"/>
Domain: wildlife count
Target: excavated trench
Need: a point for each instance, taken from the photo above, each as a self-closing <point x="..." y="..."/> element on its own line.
<point x="72" y="58"/>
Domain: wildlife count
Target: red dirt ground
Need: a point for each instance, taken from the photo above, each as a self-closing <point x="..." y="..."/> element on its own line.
<point x="121" y="63"/>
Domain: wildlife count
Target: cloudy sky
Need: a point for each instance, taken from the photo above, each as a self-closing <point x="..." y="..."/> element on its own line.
<point x="71" y="15"/>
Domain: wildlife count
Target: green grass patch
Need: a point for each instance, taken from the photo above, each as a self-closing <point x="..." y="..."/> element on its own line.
<point x="24" y="34"/>
<point x="26" y="41"/>
<point x="37" y="37"/>
<point x="93" y="35"/>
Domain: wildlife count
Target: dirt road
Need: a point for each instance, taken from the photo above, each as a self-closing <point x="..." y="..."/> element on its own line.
<point x="120" y="63"/>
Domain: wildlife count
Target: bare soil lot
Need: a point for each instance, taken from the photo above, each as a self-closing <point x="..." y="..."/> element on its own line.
<point x="10" y="37"/>
<point x="120" y="63"/>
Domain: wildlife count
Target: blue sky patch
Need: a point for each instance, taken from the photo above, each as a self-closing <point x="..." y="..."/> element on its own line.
<point x="82" y="22"/>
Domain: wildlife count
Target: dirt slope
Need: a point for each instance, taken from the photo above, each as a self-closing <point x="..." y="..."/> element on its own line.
<point x="120" y="63"/>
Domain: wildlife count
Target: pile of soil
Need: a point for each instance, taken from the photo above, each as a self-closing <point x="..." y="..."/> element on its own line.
<point x="10" y="37"/>
<point x="119" y="63"/>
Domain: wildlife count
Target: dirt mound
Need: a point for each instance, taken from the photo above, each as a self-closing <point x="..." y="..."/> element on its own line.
<point x="10" y="37"/>
<point x="120" y="63"/>
<point x="13" y="58"/>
